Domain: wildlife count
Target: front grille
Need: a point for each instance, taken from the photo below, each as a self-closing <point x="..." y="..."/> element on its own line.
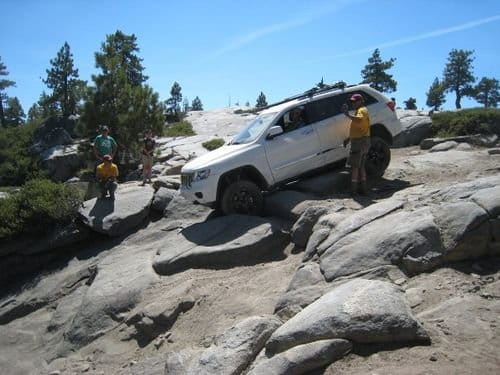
<point x="187" y="179"/>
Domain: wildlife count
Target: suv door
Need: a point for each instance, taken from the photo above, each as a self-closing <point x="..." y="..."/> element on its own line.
<point x="331" y="125"/>
<point x="296" y="150"/>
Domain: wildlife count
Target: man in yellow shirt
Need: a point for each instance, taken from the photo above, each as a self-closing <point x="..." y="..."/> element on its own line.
<point x="359" y="136"/>
<point x="106" y="174"/>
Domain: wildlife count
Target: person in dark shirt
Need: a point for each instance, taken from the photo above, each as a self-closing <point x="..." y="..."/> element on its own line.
<point x="149" y="145"/>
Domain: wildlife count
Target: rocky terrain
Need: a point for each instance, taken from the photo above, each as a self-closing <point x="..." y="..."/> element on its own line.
<point x="405" y="281"/>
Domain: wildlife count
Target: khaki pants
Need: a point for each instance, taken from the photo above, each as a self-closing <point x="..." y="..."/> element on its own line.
<point x="359" y="151"/>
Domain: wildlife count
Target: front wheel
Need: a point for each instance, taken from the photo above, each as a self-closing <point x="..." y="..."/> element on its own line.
<point x="242" y="197"/>
<point x="378" y="157"/>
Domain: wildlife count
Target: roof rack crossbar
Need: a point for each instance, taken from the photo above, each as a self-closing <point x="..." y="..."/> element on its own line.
<point x="311" y="92"/>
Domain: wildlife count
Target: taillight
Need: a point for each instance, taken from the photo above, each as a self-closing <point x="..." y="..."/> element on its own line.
<point x="391" y="105"/>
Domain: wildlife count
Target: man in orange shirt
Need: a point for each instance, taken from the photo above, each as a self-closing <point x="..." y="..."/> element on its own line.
<point x="106" y="174"/>
<point x="359" y="136"/>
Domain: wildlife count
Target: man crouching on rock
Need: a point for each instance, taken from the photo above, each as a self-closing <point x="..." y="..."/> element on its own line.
<point x="359" y="136"/>
<point x="106" y="174"/>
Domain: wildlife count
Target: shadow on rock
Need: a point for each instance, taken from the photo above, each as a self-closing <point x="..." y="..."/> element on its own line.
<point x="223" y="242"/>
<point x="384" y="188"/>
<point x="101" y="209"/>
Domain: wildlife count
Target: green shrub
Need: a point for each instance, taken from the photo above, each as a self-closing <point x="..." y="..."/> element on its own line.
<point x="17" y="165"/>
<point x="38" y="207"/>
<point x="178" y="129"/>
<point x="466" y="121"/>
<point x="213" y="144"/>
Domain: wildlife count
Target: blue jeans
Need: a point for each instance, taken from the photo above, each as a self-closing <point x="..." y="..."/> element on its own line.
<point x="109" y="186"/>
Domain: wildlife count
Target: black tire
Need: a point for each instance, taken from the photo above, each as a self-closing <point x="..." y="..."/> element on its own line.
<point x="242" y="197"/>
<point x="378" y="158"/>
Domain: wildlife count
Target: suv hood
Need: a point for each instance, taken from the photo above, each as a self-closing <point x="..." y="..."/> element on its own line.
<point x="209" y="159"/>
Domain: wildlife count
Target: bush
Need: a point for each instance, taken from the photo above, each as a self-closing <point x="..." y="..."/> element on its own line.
<point x="213" y="144"/>
<point x="466" y="122"/>
<point x="38" y="207"/>
<point x="17" y="165"/>
<point x="178" y="129"/>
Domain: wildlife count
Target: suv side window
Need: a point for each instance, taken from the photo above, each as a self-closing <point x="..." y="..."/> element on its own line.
<point x="319" y="110"/>
<point x="295" y="118"/>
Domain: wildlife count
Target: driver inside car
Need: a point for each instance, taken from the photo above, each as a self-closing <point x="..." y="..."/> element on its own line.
<point x="294" y="119"/>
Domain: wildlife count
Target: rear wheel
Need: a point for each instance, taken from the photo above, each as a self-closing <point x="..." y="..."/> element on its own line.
<point x="378" y="157"/>
<point x="242" y="197"/>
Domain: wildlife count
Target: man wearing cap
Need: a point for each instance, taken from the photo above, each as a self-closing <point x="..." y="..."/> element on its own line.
<point x="106" y="174"/>
<point x="359" y="136"/>
<point x="104" y="144"/>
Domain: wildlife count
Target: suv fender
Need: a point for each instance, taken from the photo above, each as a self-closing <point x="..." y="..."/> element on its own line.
<point x="379" y="130"/>
<point x="247" y="172"/>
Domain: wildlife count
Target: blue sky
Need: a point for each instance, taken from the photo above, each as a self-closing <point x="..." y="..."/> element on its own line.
<point x="227" y="50"/>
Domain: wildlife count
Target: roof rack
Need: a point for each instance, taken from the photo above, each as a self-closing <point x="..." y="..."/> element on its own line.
<point x="311" y="92"/>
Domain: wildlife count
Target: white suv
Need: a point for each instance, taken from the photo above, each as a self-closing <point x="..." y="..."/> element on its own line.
<point x="271" y="150"/>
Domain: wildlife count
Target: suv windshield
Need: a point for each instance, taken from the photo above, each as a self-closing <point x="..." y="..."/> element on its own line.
<point x="253" y="129"/>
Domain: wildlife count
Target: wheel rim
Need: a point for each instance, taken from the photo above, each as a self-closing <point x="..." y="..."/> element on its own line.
<point x="377" y="155"/>
<point x="244" y="202"/>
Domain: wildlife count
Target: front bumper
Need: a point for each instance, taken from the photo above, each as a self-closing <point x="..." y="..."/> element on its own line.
<point x="201" y="191"/>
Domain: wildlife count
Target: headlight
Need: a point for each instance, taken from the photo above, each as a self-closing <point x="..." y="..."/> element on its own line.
<point x="201" y="174"/>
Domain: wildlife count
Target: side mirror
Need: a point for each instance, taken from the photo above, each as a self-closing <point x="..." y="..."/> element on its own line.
<point x="274" y="131"/>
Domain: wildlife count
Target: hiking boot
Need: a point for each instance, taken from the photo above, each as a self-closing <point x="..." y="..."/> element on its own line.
<point x="363" y="189"/>
<point x="354" y="188"/>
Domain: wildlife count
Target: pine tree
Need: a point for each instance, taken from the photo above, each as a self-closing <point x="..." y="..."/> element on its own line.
<point x="120" y="98"/>
<point x="261" y="101"/>
<point x="196" y="104"/>
<point x="457" y="76"/>
<point x="4" y="83"/>
<point x="62" y="78"/>
<point x="34" y="113"/>
<point x="14" y="114"/>
<point x="320" y="84"/>
<point x="185" y="105"/>
<point x="411" y="103"/>
<point x="487" y="92"/>
<point x="375" y="73"/>
<point x="247" y="104"/>
<point x="435" y="95"/>
<point x="119" y="53"/>
<point x="174" y="102"/>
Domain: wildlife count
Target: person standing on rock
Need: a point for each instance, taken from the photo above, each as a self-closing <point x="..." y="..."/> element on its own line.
<point x="147" y="157"/>
<point x="107" y="173"/>
<point x="104" y="144"/>
<point x="359" y="136"/>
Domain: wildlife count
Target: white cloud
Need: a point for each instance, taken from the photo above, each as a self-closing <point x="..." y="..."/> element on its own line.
<point x="428" y="35"/>
<point x="240" y="41"/>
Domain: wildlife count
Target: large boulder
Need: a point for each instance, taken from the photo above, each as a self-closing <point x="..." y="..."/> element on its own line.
<point x="55" y="131"/>
<point x="222" y="242"/>
<point x="302" y="358"/>
<point x="148" y="322"/>
<point x="61" y="162"/>
<point x="306" y="286"/>
<point x="117" y="217"/>
<point x="362" y="311"/>
<point x="123" y="275"/>
<point x="234" y="350"/>
<point x="416" y="126"/>
<point x="289" y="204"/>
<point x="464" y="230"/>
<point x="302" y="229"/>
<point x="475" y="139"/>
<point x="383" y="242"/>
<point x="444" y="146"/>
<point x="162" y="198"/>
